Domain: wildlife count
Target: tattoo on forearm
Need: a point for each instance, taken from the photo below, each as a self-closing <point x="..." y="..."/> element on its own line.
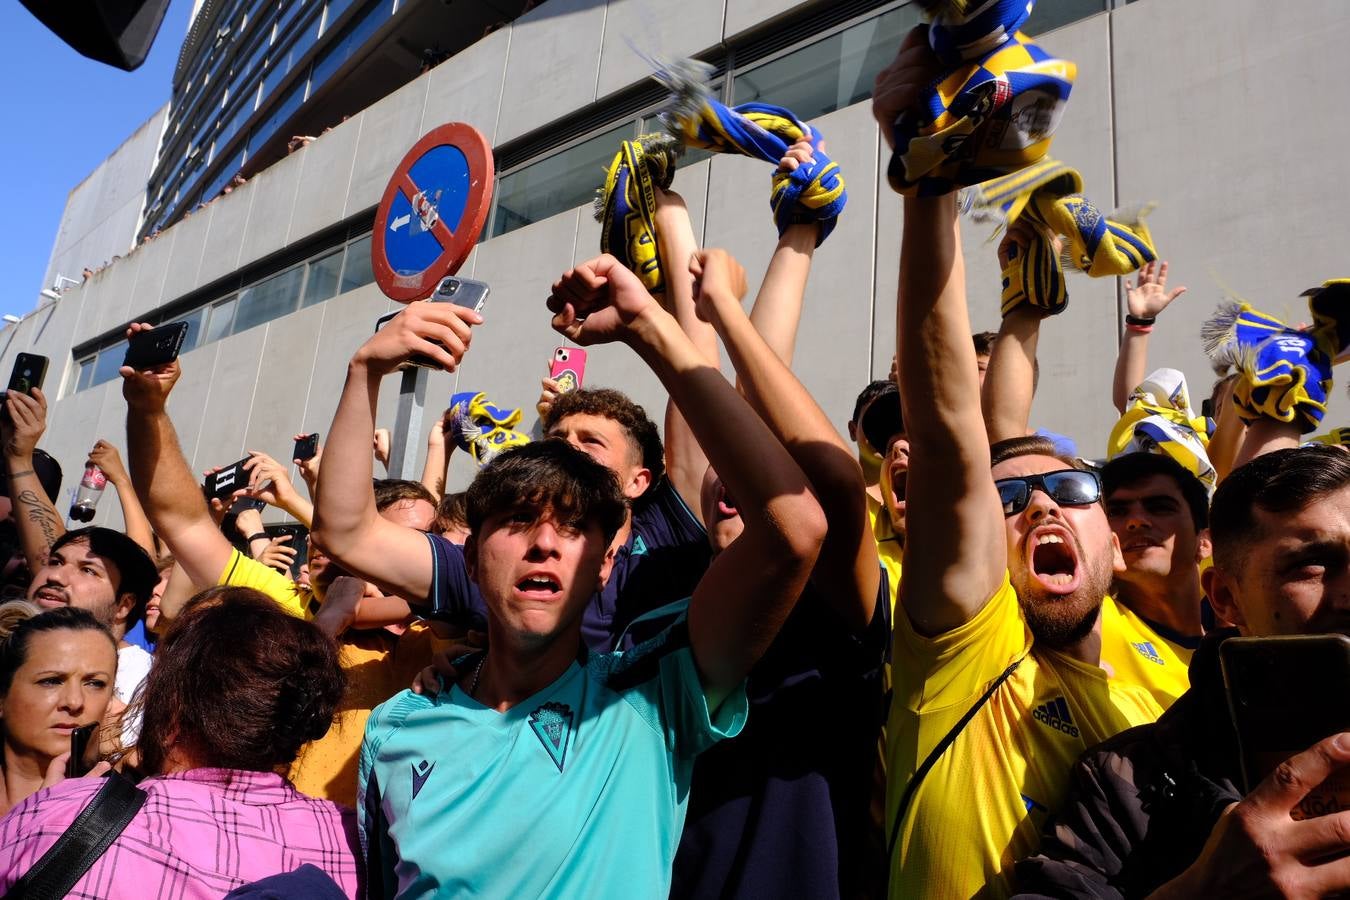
<point x="41" y="514"/>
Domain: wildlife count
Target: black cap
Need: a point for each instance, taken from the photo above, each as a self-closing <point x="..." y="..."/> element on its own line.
<point x="138" y="572"/>
<point x="48" y="472"/>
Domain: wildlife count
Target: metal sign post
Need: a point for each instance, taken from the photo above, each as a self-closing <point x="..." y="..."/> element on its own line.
<point x="428" y="221"/>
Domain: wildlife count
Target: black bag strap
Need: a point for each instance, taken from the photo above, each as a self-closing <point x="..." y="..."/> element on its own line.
<point x="941" y="748"/>
<point x="80" y="846"/>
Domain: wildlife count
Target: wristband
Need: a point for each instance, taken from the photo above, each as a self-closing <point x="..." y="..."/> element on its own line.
<point x="1138" y="329"/>
<point x="260" y="536"/>
<point x="1139" y="320"/>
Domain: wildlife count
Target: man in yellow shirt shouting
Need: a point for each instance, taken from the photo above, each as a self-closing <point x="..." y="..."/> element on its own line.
<point x="998" y="686"/>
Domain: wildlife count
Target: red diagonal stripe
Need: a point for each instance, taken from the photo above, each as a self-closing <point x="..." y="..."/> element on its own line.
<point x="410" y="189"/>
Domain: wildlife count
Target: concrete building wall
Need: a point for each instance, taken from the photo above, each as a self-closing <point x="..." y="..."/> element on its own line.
<point x="1225" y="134"/>
<point x="103" y="212"/>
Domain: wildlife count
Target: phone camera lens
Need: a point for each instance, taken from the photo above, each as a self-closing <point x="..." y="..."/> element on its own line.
<point x="562" y="356"/>
<point x="452" y="287"/>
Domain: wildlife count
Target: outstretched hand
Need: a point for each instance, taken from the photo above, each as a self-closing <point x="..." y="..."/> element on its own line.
<point x="148" y="390"/>
<point x="899" y="87"/>
<point x="1149" y="296"/>
<point x="24" y="422"/>
<point x="438" y="331"/>
<point x="718" y="280"/>
<point x="599" y="302"/>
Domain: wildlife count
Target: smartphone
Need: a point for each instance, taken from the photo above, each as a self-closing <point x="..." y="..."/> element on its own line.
<point x="244" y="503"/>
<point x="147" y="349"/>
<point x="306" y="447"/>
<point x="228" y="480"/>
<point x="83" y="750"/>
<point x="568" y="368"/>
<point x="298" y="534"/>
<point x="1286" y="694"/>
<point x="29" y="372"/>
<point x="459" y="291"/>
<point x="1207" y="407"/>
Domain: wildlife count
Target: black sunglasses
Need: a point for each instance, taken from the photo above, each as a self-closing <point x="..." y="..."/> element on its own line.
<point x="1067" y="487"/>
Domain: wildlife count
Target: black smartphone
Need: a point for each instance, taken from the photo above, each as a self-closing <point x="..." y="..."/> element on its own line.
<point x="1286" y="694"/>
<point x="299" y="535"/>
<point x="306" y="447"/>
<point x="1207" y="407"/>
<point x="81" y="744"/>
<point x="243" y="503"/>
<point x="147" y="349"/>
<point x="29" y="372"/>
<point x="228" y="480"/>
<point x="459" y="291"/>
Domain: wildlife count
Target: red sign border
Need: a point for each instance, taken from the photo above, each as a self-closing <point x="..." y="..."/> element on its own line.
<point x="478" y="154"/>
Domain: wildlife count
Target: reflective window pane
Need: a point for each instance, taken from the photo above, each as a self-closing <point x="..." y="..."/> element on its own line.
<point x="220" y="319"/>
<point x="284" y="110"/>
<point x="353" y="36"/>
<point x="86" y="374"/>
<point x="563" y="181"/>
<point x="356" y="271"/>
<point x="194" y="333"/>
<point x="1051" y="14"/>
<point x="323" y="278"/>
<point x="108" y="362"/>
<point x="269" y="299"/>
<point x="831" y="73"/>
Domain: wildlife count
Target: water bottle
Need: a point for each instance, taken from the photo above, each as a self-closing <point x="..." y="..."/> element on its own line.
<point x="91" y="489"/>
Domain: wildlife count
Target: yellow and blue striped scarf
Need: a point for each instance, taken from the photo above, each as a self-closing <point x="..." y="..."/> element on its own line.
<point x="1049" y="194"/>
<point x="814" y="192"/>
<point x="994" y="109"/>
<point x="1159" y="419"/>
<point x="483" y="429"/>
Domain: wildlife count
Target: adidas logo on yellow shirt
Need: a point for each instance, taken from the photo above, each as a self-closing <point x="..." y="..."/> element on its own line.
<point x="1055" y="713"/>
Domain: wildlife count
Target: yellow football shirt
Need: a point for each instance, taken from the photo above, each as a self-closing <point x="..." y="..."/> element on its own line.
<point x="245" y="571"/>
<point x="981" y="807"/>
<point x="889" y="548"/>
<point x="1139" y="654"/>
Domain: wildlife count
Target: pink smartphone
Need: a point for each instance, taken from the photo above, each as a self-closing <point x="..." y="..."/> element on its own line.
<point x="568" y="368"/>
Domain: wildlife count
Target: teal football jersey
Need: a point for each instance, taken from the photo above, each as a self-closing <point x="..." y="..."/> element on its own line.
<point x="579" y="791"/>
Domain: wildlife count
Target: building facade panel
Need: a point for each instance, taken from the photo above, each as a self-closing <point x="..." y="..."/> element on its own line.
<point x="470" y="88"/>
<point x="388" y="130"/>
<point x="552" y="66"/>
<point x="273" y="205"/>
<point x="663" y="31"/>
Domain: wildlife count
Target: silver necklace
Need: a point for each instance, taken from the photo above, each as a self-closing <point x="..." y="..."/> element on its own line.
<point x="477" y="674"/>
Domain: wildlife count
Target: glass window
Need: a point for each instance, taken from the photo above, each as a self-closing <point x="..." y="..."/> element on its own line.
<point x="1051" y="14"/>
<point x="563" y="181"/>
<point x="832" y="73"/>
<point x="283" y="111"/>
<point x="221" y="318"/>
<point x="355" y="34"/>
<point x="86" y="373"/>
<point x="269" y="299"/>
<point x="194" y="320"/>
<point x="108" y="362"/>
<point x="323" y="278"/>
<point x="356" y="271"/>
<point x="335" y="10"/>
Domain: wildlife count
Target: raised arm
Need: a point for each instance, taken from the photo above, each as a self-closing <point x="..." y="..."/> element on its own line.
<point x="35" y="518"/>
<point x="164" y="483"/>
<point x="437" y="463"/>
<point x="346" y="524"/>
<point x="685" y="460"/>
<point x="1010" y="381"/>
<point x="847" y="571"/>
<point x="955" y="550"/>
<point x="750" y="588"/>
<point x="105" y="456"/>
<point x="1145" y="300"/>
<point x="270" y="482"/>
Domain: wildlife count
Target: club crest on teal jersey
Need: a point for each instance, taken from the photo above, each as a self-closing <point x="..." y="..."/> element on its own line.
<point x="551" y="723"/>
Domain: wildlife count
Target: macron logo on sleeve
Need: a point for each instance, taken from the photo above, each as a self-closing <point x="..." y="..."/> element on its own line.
<point x="420" y="773"/>
<point x="1055" y="714"/>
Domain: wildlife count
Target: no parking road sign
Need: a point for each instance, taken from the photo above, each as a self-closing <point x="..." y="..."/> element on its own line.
<point x="432" y="211"/>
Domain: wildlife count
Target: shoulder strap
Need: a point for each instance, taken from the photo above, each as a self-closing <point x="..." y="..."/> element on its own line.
<point x="87" y="838"/>
<point x="941" y="748"/>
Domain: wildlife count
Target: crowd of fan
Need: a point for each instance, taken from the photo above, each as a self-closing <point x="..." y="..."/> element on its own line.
<point x="749" y="659"/>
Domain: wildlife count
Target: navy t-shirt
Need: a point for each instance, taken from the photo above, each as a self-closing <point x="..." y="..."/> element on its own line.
<point x="783" y="809"/>
<point x="663" y="559"/>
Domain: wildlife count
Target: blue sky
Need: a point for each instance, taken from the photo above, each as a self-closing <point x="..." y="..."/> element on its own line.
<point x="63" y="115"/>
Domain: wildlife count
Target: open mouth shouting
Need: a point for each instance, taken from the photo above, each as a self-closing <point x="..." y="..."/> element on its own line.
<point x="539" y="586"/>
<point x="1052" y="558"/>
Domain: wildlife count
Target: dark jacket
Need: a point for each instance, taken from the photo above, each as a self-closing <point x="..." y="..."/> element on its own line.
<point x="1141" y="805"/>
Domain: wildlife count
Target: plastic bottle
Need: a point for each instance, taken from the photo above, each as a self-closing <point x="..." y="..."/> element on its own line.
<point x="91" y="489"/>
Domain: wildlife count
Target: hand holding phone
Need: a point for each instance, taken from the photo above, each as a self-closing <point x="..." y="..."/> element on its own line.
<point x="222" y="484"/>
<point x="306" y="447"/>
<point x="568" y="368"/>
<point x="30" y="370"/>
<point x="156" y="347"/>
<point x="83" y="750"/>
<point x="463" y="292"/>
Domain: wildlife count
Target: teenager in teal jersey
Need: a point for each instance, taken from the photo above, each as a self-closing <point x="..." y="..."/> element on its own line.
<point x="522" y="777"/>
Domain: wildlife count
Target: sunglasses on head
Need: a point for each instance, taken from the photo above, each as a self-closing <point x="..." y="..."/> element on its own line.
<point x="1067" y="487"/>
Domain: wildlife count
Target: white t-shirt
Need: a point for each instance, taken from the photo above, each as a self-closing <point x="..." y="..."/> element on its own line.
<point x="133" y="664"/>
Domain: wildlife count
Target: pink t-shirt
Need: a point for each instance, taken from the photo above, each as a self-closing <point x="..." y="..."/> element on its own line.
<point x="200" y="834"/>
